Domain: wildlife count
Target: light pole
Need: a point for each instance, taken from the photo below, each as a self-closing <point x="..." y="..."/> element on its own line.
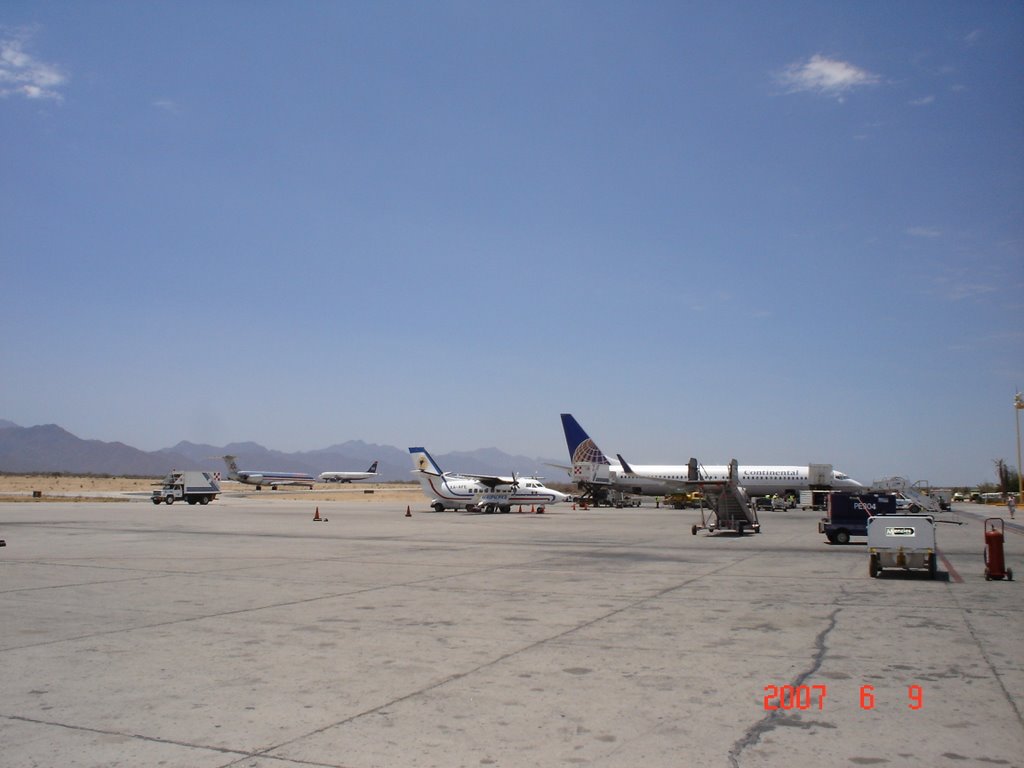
<point x="1018" y="406"/>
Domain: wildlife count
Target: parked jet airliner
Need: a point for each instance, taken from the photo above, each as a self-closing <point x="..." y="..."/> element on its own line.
<point x="487" y="493"/>
<point x="592" y="469"/>
<point x="348" y="477"/>
<point x="260" y="478"/>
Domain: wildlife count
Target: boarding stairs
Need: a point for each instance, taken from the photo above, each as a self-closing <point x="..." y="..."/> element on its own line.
<point x="911" y="492"/>
<point x="730" y="507"/>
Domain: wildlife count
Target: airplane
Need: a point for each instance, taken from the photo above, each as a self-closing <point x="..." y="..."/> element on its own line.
<point x="273" y="479"/>
<point x="593" y="470"/>
<point x="348" y="477"/>
<point x="485" y="493"/>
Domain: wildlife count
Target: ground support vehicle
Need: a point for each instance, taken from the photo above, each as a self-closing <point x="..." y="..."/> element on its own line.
<point x="847" y="514"/>
<point x="190" y="486"/>
<point x="620" y="500"/>
<point x="813" y="499"/>
<point x="684" y="500"/>
<point x="730" y="510"/>
<point x="906" y="542"/>
<point x="911" y="497"/>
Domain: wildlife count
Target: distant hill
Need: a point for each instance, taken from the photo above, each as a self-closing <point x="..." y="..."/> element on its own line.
<point x="50" y="448"/>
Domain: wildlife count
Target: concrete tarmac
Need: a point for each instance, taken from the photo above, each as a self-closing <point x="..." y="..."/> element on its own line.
<point x="245" y="634"/>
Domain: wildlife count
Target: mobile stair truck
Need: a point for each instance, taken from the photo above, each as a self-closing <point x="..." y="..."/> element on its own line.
<point x="731" y="509"/>
<point x="906" y="542"/>
<point x="190" y="486"/>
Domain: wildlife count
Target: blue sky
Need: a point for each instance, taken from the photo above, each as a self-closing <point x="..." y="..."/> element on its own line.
<point x="786" y="233"/>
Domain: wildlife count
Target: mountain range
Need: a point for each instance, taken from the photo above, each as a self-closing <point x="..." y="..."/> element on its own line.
<point x="50" y="448"/>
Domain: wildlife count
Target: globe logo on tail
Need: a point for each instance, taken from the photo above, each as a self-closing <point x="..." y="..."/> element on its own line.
<point x="588" y="453"/>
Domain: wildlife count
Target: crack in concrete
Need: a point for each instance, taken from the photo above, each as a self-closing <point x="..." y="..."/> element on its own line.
<point x="777" y="718"/>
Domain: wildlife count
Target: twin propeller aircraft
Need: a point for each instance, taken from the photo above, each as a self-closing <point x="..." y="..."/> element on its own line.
<point x="479" y="493"/>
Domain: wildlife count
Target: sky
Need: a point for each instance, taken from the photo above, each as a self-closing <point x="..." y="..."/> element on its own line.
<point x="783" y="232"/>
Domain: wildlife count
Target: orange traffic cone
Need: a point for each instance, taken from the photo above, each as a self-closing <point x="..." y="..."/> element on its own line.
<point x="317" y="518"/>
<point x="408" y="512"/>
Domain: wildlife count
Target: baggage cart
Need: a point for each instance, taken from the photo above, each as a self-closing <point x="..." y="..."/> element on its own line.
<point x="905" y="542"/>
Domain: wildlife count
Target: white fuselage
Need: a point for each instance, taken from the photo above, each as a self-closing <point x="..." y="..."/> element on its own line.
<point x="457" y="492"/>
<point x="756" y="480"/>
<point x="260" y="478"/>
<point x="272" y="479"/>
<point x="344" y="477"/>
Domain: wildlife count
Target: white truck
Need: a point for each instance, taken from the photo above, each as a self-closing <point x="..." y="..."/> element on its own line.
<point x="191" y="486"/>
<point x="902" y="541"/>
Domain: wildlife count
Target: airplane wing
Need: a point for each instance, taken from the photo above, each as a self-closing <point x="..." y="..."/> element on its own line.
<point x="491" y="481"/>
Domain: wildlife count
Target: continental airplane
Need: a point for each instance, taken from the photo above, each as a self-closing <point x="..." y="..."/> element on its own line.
<point x="478" y="493"/>
<point x="593" y="470"/>
<point x="259" y="478"/>
<point x="348" y="477"/>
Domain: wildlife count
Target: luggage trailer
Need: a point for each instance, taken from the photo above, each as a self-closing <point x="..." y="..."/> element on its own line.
<point x="905" y="542"/>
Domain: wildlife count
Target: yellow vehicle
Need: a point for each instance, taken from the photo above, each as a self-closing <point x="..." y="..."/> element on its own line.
<point x="684" y="500"/>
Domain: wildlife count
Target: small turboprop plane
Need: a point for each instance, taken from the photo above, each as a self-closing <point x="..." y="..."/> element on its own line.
<point x="479" y="493"/>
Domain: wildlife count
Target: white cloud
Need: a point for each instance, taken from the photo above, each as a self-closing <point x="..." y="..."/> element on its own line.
<point x="822" y="75"/>
<point x="23" y="75"/>
<point x="924" y="101"/>
<point x="924" y="232"/>
<point x="962" y="291"/>
<point x="167" y="105"/>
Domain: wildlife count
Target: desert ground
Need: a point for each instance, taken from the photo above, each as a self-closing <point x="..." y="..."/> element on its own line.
<point x="71" y="488"/>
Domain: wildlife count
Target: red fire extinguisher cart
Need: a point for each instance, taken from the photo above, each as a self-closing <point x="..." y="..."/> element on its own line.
<point x="995" y="565"/>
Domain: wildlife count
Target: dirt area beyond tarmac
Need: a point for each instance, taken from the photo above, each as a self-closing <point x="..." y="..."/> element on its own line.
<point x="60" y="487"/>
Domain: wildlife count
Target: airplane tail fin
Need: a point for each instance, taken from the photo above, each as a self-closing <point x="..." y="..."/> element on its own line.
<point x="373" y="468"/>
<point x="590" y="466"/>
<point x="582" y="449"/>
<point x="424" y="462"/>
<point x="231" y="464"/>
